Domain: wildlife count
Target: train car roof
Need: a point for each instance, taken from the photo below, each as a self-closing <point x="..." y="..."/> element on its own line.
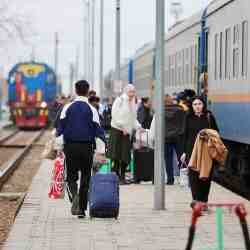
<point x="181" y="26"/>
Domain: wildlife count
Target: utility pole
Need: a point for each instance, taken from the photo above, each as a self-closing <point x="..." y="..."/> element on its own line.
<point x="118" y="41"/>
<point x="101" y="49"/>
<point x="89" y="41"/>
<point x="93" y="45"/>
<point x="87" y="33"/>
<point x="32" y="56"/>
<point x="204" y="4"/>
<point x="71" y="77"/>
<point x="159" y="173"/>
<point x="56" y="53"/>
<point x="85" y="39"/>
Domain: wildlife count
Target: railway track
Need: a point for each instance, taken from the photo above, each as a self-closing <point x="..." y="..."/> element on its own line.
<point x="20" y="159"/>
<point x="13" y="148"/>
<point x="8" y="136"/>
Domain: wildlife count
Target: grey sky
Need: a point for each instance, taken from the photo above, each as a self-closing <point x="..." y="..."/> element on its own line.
<point x="66" y="17"/>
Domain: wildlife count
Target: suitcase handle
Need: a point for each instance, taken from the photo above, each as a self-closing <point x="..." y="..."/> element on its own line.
<point x="140" y="137"/>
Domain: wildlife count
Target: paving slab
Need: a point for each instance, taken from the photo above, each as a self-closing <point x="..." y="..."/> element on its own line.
<point x="45" y="224"/>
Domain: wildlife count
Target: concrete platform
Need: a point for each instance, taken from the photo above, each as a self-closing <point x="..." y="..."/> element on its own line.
<point x="44" y="224"/>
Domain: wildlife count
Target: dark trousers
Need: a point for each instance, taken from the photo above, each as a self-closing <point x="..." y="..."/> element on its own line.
<point x="120" y="169"/>
<point x="168" y="155"/>
<point x="199" y="188"/>
<point x="79" y="158"/>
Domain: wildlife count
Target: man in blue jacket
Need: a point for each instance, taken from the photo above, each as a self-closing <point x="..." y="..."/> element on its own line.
<point x="79" y="124"/>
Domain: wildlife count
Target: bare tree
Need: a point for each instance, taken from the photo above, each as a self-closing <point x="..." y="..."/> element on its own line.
<point x="13" y="25"/>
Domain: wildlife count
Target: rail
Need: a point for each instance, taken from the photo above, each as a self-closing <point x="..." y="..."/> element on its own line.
<point x="9" y="166"/>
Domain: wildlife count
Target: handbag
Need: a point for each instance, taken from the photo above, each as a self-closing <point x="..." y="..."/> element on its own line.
<point x="57" y="185"/>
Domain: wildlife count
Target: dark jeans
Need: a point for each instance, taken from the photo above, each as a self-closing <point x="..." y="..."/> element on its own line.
<point x="168" y="155"/>
<point x="79" y="158"/>
<point x="199" y="188"/>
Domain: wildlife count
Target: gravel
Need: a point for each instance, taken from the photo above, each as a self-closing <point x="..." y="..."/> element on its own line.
<point x="6" y="154"/>
<point x="7" y="214"/>
<point x="19" y="182"/>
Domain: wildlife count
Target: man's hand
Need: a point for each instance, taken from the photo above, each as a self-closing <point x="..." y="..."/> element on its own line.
<point x="125" y="132"/>
<point x="183" y="157"/>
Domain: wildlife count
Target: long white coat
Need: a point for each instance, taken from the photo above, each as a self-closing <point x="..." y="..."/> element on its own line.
<point x="124" y="114"/>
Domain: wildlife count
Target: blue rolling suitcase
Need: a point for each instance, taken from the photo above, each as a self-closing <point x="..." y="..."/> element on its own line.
<point x="104" y="196"/>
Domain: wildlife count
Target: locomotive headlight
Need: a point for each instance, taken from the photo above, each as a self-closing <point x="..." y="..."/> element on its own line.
<point x="43" y="105"/>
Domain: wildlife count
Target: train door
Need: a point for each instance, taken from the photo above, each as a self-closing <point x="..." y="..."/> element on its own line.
<point x="202" y="86"/>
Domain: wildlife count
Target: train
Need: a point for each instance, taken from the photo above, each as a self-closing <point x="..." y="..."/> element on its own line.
<point x="208" y="52"/>
<point x="32" y="88"/>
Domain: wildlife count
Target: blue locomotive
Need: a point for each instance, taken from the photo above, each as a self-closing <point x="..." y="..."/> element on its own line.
<point x="32" y="87"/>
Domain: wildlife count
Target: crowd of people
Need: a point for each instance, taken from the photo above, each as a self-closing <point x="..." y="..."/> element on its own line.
<point x="83" y="119"/>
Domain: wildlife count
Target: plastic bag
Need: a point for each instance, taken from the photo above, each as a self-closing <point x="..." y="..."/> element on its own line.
<point x="57" y="184"/>
<point x="184" y="181"/>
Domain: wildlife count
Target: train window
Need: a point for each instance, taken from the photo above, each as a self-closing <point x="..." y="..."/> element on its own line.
<point x="221" y="55"/>
<point x="196" y="63"/>
<point x="244" y="48"/>
<point x="176" y="69"/>
<point x="183" y="67"/>
<point x="227" y="53"/>
<point x="236" y="52"/>
<point x="236" y="34"/>
<point x="169" y="71"/>
<point x="187" y="67"/>
<point x="236" y="55"/>
<point x="172" y="71"/>
<point x="215" y="56"/>
<point x="166" y="77"/>
<point x="179" y="68"/>
<point x="191" y="63"/>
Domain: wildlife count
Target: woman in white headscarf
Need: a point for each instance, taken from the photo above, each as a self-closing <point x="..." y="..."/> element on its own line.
<point x="124" y="121"/>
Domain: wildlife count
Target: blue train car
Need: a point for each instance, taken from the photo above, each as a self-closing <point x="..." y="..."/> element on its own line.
<point x="209" y="52"/>
<point x="32" y="87"/>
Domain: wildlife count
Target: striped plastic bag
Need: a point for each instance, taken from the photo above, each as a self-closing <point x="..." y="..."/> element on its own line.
<point x="57" y="185"/>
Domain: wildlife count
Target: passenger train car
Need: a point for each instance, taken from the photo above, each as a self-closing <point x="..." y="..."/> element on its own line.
<point x="210" y="51"/>
<point x="32" y="88"/>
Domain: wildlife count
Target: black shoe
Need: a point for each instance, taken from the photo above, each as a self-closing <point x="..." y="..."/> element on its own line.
<point x="170" y="183"/>
<point x="82" y="215"/>
<point x="124" y="182"/>
<point x="136" y="181"/>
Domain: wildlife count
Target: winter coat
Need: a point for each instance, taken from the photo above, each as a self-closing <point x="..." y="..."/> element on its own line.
<point x="174" y="122"/>
<point x="207" y="148"/>
<point x="193" y="124"/>
<point x="144" y="116"/>
<point x="124" y="114"/>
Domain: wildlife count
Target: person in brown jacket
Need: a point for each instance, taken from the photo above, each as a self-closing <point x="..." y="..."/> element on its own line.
<point x="199" y="118"/>
<point x="208" y="147"/>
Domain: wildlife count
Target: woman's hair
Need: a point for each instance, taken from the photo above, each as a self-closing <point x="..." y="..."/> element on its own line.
<point x="202" y="100"/>
<point x="168" y="100"/>
<point x="144" y="99"/>
<point x="128" y="88"/>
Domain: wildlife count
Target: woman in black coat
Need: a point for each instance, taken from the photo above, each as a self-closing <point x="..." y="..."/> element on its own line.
<point x="198" y="118"/>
